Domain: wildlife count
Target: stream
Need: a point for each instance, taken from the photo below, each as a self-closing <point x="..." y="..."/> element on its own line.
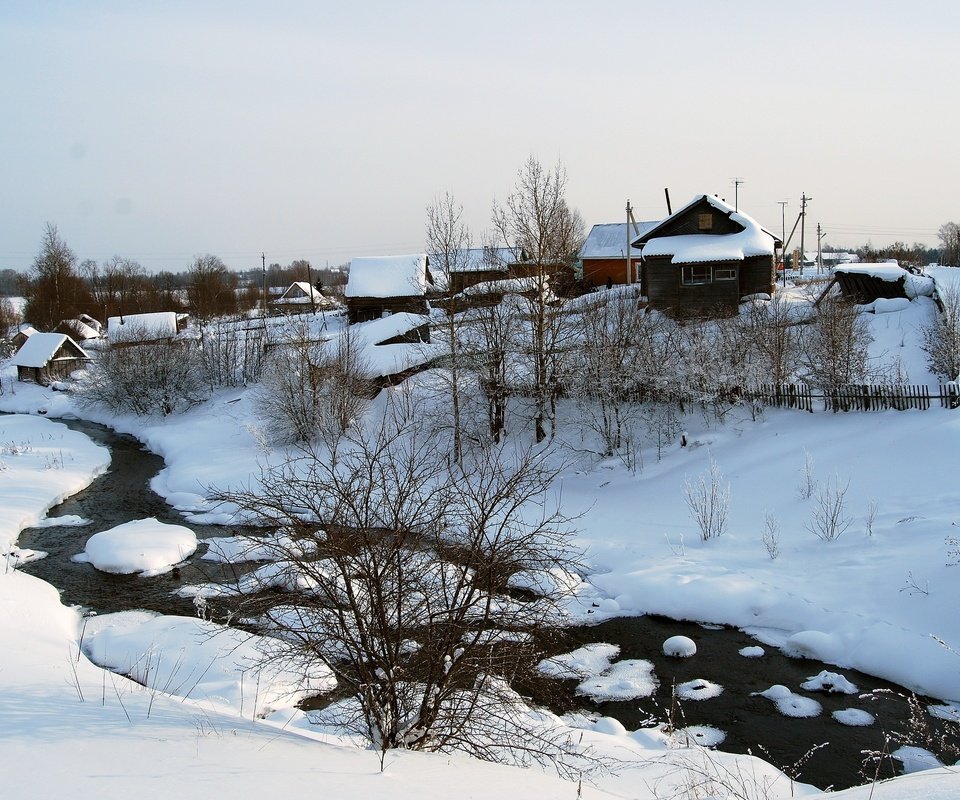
<point x="751" y="723"/>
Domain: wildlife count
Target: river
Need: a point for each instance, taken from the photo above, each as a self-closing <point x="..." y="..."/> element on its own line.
<point x="751" y="723"/>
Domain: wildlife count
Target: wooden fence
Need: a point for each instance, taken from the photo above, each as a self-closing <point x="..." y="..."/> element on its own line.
<point x="855" y="397"/>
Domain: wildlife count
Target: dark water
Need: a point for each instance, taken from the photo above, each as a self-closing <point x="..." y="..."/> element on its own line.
<point x="123" y="494"/>
<point x="120" y="495"/>
<point x="749" y="721"/>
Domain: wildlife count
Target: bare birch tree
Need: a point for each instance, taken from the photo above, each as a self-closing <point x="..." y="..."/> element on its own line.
<point x="537" y="218"/>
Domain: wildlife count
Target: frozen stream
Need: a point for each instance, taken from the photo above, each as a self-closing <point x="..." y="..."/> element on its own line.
<point x="750" y="723"/>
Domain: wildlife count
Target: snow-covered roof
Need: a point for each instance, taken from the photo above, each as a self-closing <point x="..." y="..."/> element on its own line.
<point x="608" y="239"/>
<point x="688" y="248"/>
<point x="131" y="327"/>
<point x="388" y="276"/>
<point x="81" y="329"/>
<point x="40" y="349"/>
<point x="26" y="331"/>
<point x="301" y="292"/>
<point x="913" y="285"/>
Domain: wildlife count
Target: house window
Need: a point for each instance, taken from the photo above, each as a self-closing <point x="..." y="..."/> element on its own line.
<point x="705" y="222"/>
<point x="725" y="274"/>
<point x="694" y="274"/>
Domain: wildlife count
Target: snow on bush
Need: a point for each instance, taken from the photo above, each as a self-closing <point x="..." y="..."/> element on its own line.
<point x="591" y="659"/>
<point x="698" y="689"/>
<point x="234" y="549"/>
<point x="830" y="682"/>
<point x="625" y="680"/>
<point x="147" y="546"/>
<point x="854" y="717"/>
<point x="679" y="647"/>
<point x="790" y="704"/>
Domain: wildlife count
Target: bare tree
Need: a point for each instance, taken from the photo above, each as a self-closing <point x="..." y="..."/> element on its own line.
<point x="835" y="345"/>
<point x="941" y="337"/>
<point x="406" y="559"/>
<point x="537" y="218"/>
<point x="949" y="235"/>
<point x="448" y="243"/>
<point x="55" y="290"/>
<point x="313" y="390"/>
<point x="212" y="288"/>
<point x="770" y="330"/>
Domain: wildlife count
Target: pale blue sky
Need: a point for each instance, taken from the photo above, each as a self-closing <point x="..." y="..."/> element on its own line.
<point x="162" y="130"/>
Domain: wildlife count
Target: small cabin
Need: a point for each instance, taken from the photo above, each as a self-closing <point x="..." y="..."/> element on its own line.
<point x="468" y="267"/>
<point x="703" y="259"/>
<point x="77" y="329"/>
<point x="382" y="285"/>
<point x="48" y="357"/>
<point x="20" y="337"/>
<point x="603" y="254"/>
<point x="300" y="296"/>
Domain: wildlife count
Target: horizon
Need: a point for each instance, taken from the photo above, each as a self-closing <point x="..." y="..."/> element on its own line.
<point x="160" y="133"/>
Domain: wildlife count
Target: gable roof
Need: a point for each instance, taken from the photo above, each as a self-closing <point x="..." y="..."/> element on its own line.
<point x="300" y="292"/>
<point x="389" y="276"/>
<point x="608" y="239"/>
<point x="42" y="348"/>
<point x="77" y="327"/>
<point x="687" y="248"/>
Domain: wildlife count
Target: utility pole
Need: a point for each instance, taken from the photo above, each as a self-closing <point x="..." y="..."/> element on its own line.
<point x="819" y="249"/>
<point x="736" y="193"/>
<point x="263" y="293"/>
<point x="636" y="232"/>
<point x="803" y="219"/>
<point x="783" y="239"/>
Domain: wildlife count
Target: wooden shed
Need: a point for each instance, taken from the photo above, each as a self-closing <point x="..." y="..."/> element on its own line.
<point x="465" y="268"/>
<point x="704" y="258"/>
<point x="865" y="283"/>
<point x="382" y="285"/>
<point x="20" y="337"/>
<point x="300" y="296"/>
<point x="603" y="254"/>
<point x="48" y="357"/>
<point x="139" y="328"/>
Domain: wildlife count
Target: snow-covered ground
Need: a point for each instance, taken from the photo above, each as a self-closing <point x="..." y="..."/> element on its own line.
<point x="880" y="598"/>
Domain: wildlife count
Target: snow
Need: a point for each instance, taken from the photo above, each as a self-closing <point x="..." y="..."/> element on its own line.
<point x="790" y="704"/>
<point x="133" y="327"/>
<point x="609" y="239"/>
<point x="388" y="276"/>
<point x="698" y="689"/>
<point x="845" y="601"/>
<point x="679" y="647"/>
<point x="146" y="546"/>
<point x="624" y="680"/>
<point x="41" y="347"/>
<point x="854" y="717"/>
<point x="188" y="657"/>
<point x="586" y="661"/>
<point x="830" y="682"/>
<point x="753" y="651"/>
<point x="699" y="736"/>
<point x="913" y="285"/>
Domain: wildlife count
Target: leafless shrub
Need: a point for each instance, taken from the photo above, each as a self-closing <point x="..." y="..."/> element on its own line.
<point x="232" y="352"/>
<point x="708" y="500"/>
<point x="870" y="516"/>
<point x="808" y="481"/>
<point x="145" y="378"/>
<point x="941" y="337"/>
<point x="405" y="557"/>
<point x="828" y="518"/>
<point x="835" y="345"/>
<point x="771" y="535"/>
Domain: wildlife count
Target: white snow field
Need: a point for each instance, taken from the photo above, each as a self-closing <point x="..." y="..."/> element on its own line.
<point x="882" y="598"/>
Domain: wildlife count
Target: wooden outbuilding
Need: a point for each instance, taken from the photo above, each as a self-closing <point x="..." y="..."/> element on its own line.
<point x="48" y="357"/>
<point x="140" y="328"/>
<point x="77" y="329"/>
<point x="465" y="268"/>
<point x="382" y="285"/>
<point x="865" y="283"/>
<point x="706" y="257"/>
<point x="300" y="296"/>
<point x="20" y="337"/>
<point x="603" y="254"/>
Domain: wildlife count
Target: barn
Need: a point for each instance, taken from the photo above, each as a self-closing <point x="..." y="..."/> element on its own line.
<point x="48" y="357"/>
<point x="378" y="286"/>
<point x="138" y="328"/>
<point x="603" y="254"/>
<point x="705" y="258"/>
<point x="301" y="296"/>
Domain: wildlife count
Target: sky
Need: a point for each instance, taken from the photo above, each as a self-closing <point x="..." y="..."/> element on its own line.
<point x="160" y="131"/>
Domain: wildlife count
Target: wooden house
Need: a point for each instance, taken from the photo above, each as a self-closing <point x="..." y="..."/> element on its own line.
<point x="704" y="258"/>
<point x="48" y="357"/>
<point x="23" y="333"/>
<point x="141" y="328"/>
<point x="77" y="329"/>
<point x="465" y="268"/>
<point x="603" y="255"/>
<point x="300" y="296"/>
<point x="382" y="285"/>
